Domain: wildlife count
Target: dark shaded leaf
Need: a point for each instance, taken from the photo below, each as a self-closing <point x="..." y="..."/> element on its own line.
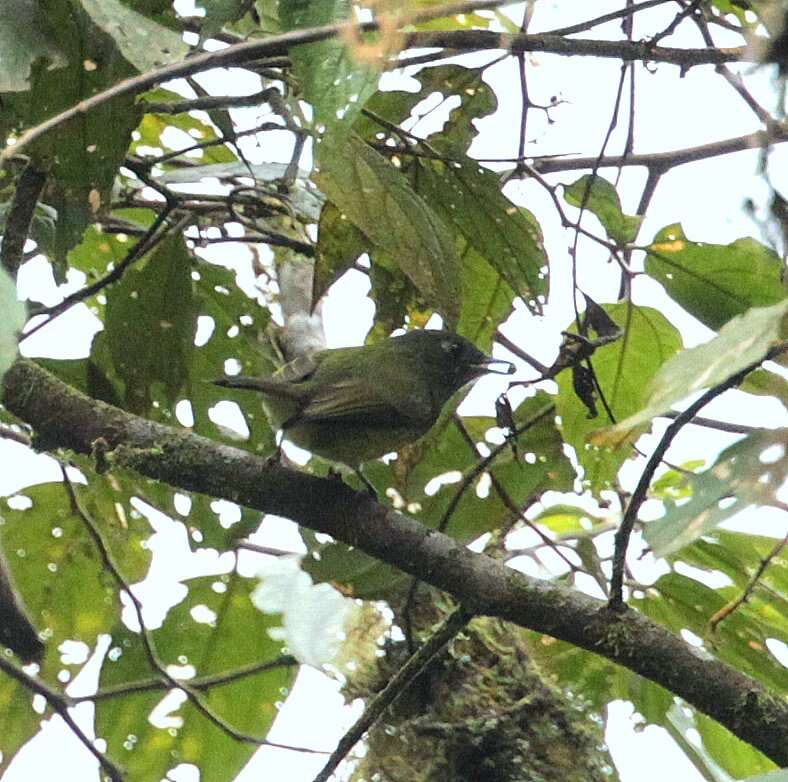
<point x="623" y="369"/>
<point x="143" y="42"/>
<point x="377" y="199"/>
<point x="153" y="305"/>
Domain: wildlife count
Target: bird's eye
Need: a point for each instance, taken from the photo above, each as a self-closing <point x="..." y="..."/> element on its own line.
<point x="449" y="346"/>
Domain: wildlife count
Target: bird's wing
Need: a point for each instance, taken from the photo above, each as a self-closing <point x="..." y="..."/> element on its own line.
<point x="352" y="400"/>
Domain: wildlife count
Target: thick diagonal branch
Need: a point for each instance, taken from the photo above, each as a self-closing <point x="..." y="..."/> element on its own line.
<point x="63" y="417"/>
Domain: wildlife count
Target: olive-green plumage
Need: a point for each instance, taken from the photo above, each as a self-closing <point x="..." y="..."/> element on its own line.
<point x="354" y="404"/>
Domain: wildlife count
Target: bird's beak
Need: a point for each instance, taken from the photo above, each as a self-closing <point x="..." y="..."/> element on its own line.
<point x="491" y="365"/>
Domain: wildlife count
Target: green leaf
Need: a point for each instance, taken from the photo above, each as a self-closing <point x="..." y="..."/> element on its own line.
<point x="339" y="245"/>
<point x="54" y="564"/>
<point x="333" y="77"/>
<point x="715" y="282"/>
<point x="569" y="520"/>
<point x="42" y="227"/>
<point x="377" y="198"/>
<point x="25" y="39"/>
<point x="143" y="42"/>
<point x="682" y="603"/>
<point x="773" y="776"/>
<point x="623" y="369"/>
<point x="598" y="196"/>
<point x="83" y="154"/>
<point x="744" y="474"/>
<point x="97" y="250"/>
<point x="468" y="199"/>
<point x="238" y="329"/>
<point x="19" y="722"/>
<point x="762" y="382"/>
<point x="742" y="341"/>
<point x="220" y="12"/>
<point x="486" y="300"/>
<point x="153" y="306"/>
<point x="11" y="323"/>
<point x="737" y="757"/>
<point x="455" y="83"/>
<point x="216" y="629"/>
<point x="153" y="133"/>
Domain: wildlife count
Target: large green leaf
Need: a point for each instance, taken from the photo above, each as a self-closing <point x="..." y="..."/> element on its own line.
<point x="623" y="369"/>
<point x="339" y="245"/>
<point x="742" y="341"/>
<point x="25" y="39"/>
<point x="333" y="77"/>
<point x="468" y="199"/>
<point x="216" y="629"/>
<point x="744" y="474"/>
<point x="55" y="564"/>
<point x="153" y="306"/>
<point x="14" y="317"/>
<point x="143" y="42"/>
<point x="377" y="199"/>
<point x="83" y="154"/>
<point x="715" y="282"/>
<point x="486" y="300"/>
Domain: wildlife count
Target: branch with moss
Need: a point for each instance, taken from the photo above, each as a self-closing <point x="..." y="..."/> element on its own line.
<point x="66" y="418"/>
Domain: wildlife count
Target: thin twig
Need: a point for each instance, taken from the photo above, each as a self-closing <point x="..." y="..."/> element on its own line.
<point x="628" y="11"/>
<point x="147" y="641"/>
<point x="199" y="683"/>
<point x="667" y="160"/>
<point x="639" y="495"/>
<point x="235" y="55"/>
<point x="9" y="433"/>
<point x="61" y="703"/>
<point x="711" y="423"/>
<point x="734" y="604"/>
<point x="452" y="625"/>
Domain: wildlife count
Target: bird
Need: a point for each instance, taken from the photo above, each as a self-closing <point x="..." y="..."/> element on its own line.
<point x="351" y="405"/>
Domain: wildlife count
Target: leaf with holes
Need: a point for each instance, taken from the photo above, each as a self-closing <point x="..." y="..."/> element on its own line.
<point x="749" y="472"/>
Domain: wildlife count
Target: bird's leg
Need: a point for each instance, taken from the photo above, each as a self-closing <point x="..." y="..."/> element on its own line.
<point x="370" y="488"/>
<point x="275" y="458"/>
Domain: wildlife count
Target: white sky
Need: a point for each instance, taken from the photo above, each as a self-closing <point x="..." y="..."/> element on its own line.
<point x="706" y="197"/>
